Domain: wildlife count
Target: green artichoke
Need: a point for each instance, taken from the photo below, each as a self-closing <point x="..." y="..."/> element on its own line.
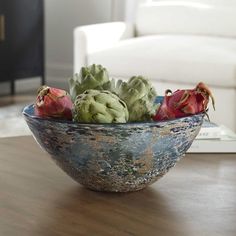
<point x="139" y="96"/>
<point x="99" y="106"/>
<point x="91" y="77"/>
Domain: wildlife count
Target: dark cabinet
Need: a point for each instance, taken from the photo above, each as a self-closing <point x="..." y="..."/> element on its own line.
<point x="21" y="40"/>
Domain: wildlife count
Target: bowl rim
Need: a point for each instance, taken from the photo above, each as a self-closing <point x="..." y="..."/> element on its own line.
<point x="31" y="106"/>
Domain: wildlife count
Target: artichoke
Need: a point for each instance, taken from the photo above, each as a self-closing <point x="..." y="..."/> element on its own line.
<point x="139" y="96"/>
<point x="91" y="77"/>
<point x="99" y="106"/>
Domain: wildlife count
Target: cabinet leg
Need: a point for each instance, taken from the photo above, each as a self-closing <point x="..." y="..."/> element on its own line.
<point x="12" y="87"/>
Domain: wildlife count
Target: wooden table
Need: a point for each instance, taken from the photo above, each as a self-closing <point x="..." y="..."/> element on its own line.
<point x="197" y="197"/>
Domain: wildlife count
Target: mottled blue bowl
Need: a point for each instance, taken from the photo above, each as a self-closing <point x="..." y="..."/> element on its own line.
<point x="114" y="157"/>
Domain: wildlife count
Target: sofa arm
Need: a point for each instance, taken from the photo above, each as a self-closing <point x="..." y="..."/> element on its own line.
<point x="92" y="38"/>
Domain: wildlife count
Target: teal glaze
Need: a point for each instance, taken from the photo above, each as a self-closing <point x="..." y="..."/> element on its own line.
<point x="114" y="157"/>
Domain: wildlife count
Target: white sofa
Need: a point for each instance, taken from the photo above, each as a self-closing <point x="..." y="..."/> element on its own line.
<point x="175" y="44"/>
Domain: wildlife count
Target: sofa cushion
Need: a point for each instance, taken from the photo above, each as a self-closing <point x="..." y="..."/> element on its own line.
<point x="172" y="58"/>
<point x="186" y="17"/>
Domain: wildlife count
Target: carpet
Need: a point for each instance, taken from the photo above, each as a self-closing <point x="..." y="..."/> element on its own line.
<point x="12" y="122"/>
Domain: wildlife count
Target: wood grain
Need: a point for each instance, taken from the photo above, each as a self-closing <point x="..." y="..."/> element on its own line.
<point x="197" y="197"/>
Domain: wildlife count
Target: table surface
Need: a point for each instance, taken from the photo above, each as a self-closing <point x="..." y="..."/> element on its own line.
<point x="197" y="197"/>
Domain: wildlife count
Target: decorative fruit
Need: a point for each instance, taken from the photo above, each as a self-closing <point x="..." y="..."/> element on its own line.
<point x="91" y="77"/>
<point x="184" y="102"/>
<point x="99" y="106"/>
<point x="53" y="102"/>
<point x="139" y="95"/>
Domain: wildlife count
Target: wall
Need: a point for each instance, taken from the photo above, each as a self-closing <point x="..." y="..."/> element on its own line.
<point x="61" y="17"/>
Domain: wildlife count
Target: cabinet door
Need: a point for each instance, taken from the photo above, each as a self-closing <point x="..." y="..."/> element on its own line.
<point x="4" y="43"/>
<point x="26" y="37"/>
